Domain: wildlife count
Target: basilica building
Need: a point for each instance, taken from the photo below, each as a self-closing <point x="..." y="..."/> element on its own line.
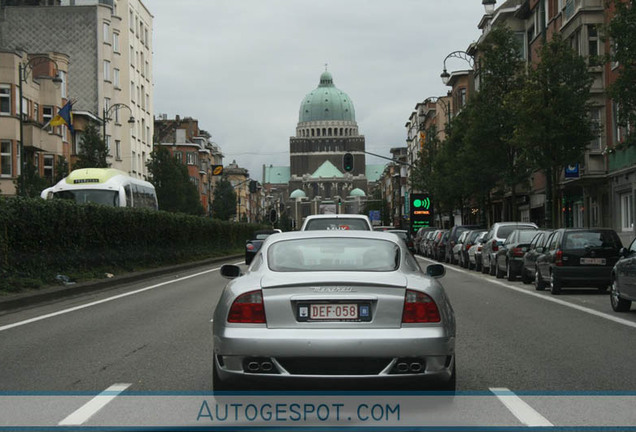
<point x="315" y="180"/>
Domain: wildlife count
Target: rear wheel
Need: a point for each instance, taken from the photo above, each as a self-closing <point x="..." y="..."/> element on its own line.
<point x="525" y="277"/>
<point x="492" y="267"/>
<point x="510" y="274"/>
<point x="539" y="285"/>
<point x="618" y="304"/>
<point x="498" y="273"/>
<point x="555" y="284"/>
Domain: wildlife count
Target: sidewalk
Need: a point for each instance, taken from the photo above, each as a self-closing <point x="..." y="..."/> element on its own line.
<point x="30" y="298"/>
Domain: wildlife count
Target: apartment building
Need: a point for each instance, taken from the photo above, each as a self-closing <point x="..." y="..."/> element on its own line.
<point x="42" y="81"/>
<point x="109" y="44"/>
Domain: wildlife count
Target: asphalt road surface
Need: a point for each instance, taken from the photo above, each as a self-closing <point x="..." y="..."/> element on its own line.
<point x="520" y="356"/>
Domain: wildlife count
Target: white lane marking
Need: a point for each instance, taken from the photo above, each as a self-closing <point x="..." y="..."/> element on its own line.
<point x="90" y="408"/>
<point x="524" y="412"/>
<point x="609" y="317"/>
<point x="95" y="303"/>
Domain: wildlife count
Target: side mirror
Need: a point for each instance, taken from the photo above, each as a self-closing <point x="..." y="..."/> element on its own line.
<point x="435" y="270"/>
<point x="230" y="271"/>
<point x="623" y="252"/>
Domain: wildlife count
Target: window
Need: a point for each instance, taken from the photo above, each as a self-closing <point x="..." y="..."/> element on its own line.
<point x="132" y="56"/>
<point x="592" y="41"/>
<point x="141" y="62"/>
<point x="36" y="112"/>
<point x="131" y="20"/>
<point x="106" y="70"/>
<point x="134" y="162"/>
<point x="191" y="158"/>
<point x="147" y="102"/>
<point x="62" y="76"/>
<point x="627" y="222"/>
<point x="143" y="100"/>
<point x="116" y="77"/>
<point x="5" y="99"/>
<point x="595" y="116"/>
<point x="47" y="116"/>
<point x="106" y="103"/>
<point x="48" y="168"/>
<point x="178" y="156"/>
<point x="6" y="159"/>
<point x="148" y="135"/>
<point x="108" y="143"/>
<point x="132" y="91"/>
<point x="115" y="42"/>
<point x="106" y="28"/>
<point x="146" y="69"/>
<point x="143" y="130"/>
<point x="118" y="150"/>
<point x="146" y="36"/>
<point x="616" y="128"/>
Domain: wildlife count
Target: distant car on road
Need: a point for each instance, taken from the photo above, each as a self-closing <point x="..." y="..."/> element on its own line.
<point x="254" y="245"/>
<point x="578" y="257"/>
<point x="406" y="236"/>
<point x="474" y="253"/>
<point x="453" y="237"/>
<point x="342" y="222"/>
<point x="329" y="307"/>
<point x="497" y="234"/>
<point x="509" y="257"/>
<point x="535" y="249"/>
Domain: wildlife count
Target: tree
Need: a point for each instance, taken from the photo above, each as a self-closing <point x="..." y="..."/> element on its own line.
<point x="61" y="169"/>
<point x="553" y="123"/>
<point x="622" y="31"/>
<point x="224" y="204"/>
<point x="29" y="183"/>
<point x="492" y="121"/>
<point x="175" y="192"/>
<point x="93" y="152"/>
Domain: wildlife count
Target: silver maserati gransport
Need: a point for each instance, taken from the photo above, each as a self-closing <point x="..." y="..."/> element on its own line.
<point x="332" y="308"/>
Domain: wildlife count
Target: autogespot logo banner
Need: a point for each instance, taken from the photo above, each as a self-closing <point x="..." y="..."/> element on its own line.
<point x="496" y="409"/>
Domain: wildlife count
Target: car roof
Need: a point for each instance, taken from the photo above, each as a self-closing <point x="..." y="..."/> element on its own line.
<point x="295" y="235"/>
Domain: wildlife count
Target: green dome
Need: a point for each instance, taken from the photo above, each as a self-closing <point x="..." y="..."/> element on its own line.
<point x="357" y="192"/>
<point x="326" y="102"/>
<point x="298" y="193"/>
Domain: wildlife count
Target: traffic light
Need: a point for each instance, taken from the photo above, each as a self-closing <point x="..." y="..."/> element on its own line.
<point x="253" y="186"/>
<point x="347" y="162"/>
<point x="273" y="216"/>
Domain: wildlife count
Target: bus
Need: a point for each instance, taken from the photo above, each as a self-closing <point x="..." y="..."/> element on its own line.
<point x="106" y="186"/>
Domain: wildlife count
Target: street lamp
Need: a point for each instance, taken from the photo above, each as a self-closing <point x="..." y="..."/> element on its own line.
<point x="460" y="55"/>
<point x="23" y="69"/>
<point x="106" y="113"/>
<point x="489" y="6"/>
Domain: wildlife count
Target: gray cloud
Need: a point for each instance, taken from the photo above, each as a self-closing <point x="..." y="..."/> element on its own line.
<point x="242" y="67"/>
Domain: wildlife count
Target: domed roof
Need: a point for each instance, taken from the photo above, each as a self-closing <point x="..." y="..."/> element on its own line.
<point x="298" y="193"/>
<point x="326" y="102"/>
<point x="357" y="192"/>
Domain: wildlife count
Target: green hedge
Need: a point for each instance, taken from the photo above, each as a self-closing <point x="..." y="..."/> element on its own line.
<point x="40" y="239"/>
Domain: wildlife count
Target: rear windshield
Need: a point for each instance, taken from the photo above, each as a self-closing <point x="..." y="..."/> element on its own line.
<point x="333" y="254"/>
<point x="526" y="236"/>
<point x="337" y="224"/>
<point x="505" y="230"/>
<point x="591" y="239"/>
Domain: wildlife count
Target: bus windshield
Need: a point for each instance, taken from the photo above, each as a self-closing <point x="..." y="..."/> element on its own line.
<point x="103" y="197"/>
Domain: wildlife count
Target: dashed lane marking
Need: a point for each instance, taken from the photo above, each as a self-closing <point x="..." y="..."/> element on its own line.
<point x="91" y="407"/>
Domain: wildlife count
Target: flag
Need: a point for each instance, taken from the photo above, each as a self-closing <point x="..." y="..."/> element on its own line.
<point x="64" y="116"/>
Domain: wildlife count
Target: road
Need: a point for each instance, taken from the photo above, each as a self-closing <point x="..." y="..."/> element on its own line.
<point x="155" y="336"/>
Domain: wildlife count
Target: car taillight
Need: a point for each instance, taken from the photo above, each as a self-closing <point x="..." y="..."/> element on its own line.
<point x="478" y="248"/>
<point x="468" y="246"/>
<point x="419" y="308"/>
<point x="248" y="308"/>
<point x="558" y="257"/>
<point x="249" y="247"/>
<point x="495" y="246"/>
<point x="518" y="252"/>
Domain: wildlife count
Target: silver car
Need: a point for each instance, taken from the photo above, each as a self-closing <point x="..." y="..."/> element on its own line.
<point x="329" y="307"/>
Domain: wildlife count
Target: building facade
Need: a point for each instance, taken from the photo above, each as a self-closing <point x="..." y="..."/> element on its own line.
<point x="109" y="44"/>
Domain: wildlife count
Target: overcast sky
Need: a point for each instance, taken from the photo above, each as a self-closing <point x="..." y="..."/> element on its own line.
<point x="242" y="67"/>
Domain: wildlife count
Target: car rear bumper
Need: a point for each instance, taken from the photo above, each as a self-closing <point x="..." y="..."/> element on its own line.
<point x="583" y="275"/>
<point x="364" y="354"/>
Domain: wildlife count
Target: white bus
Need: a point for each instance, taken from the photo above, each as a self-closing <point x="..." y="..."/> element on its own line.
<point x="106" y="186"/>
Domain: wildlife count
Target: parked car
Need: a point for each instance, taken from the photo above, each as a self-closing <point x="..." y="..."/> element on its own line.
<point x="509" y="257"/>
<point x="334" y="306"/>
<point x="469" y="240"/>
<point x="474" y="253"/>
<point x="535" y="249"/>
<point x="497" y="234"/>
<point x="578" y="257"/>
<point x="340" y="222"/>
<point x="623" y="289"/>
<point x="459" y="246"/>
<point x="427" y="241"/>
<point x="453" y="236"/>
<point x="439" y="248"/>
<point x="430" y="242"/>
<point x="254" y="245"/>
<point x="419" y="238"/>
<point x="405" y="235"/>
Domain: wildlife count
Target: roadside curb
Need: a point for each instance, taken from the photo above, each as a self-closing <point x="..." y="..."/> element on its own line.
<point x="19" y="300"/>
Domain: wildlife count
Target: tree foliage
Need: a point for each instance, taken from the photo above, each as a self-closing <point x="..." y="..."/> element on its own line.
<point x="29" y="184"/>
<point x="175" y="192"/>
<point x="93" y="152"/>
<point x="552" y="121"/>
<point x="622" y="31"/>
<point x="224" y="204"/>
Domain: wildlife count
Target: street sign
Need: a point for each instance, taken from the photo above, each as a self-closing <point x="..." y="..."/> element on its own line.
<point x="374" y="215"/>
<point x="572" y="171"/>
<point x="421" y="211"/>
<point x="217" y="170"/>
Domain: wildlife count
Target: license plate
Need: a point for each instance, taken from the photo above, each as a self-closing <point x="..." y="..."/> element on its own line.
<point x="333" y="311"/>
<point x="593" y="261"/>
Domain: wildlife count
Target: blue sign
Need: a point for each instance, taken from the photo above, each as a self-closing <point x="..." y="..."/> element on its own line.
<point x="572" y="171"/>
<point x="374" y="215"/>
